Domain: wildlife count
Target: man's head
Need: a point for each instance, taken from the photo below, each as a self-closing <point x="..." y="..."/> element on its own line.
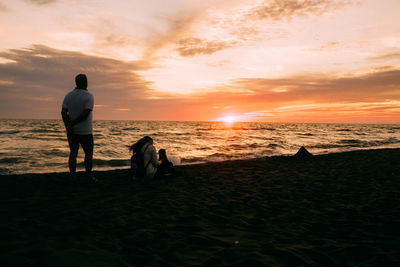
<point x="81" y="81"/>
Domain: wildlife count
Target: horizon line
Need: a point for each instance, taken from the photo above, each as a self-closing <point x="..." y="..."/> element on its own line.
<point x="219" y="121"/>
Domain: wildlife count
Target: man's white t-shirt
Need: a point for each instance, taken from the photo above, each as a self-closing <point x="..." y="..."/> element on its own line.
<point x="76" y="102"/>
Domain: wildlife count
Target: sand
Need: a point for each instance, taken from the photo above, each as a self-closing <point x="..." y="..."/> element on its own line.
<point x="336" y="209"/>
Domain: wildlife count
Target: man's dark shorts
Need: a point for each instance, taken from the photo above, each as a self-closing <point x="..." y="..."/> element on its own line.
<point x="86" y="142"/>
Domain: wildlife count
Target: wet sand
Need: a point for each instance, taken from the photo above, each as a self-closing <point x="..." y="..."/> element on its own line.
<point x="336" y="209"/>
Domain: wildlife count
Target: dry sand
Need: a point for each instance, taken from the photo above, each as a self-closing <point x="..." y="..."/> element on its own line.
<point x="336" y="209"/>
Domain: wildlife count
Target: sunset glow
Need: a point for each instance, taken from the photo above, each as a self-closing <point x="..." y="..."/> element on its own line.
<point x="228" y="119"/>
<point x="226" y="60"/>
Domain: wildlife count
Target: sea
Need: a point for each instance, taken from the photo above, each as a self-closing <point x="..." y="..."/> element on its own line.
<point x="40" y="146"/>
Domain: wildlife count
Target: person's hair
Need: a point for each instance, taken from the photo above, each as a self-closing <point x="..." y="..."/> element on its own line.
<point x="139" y="144"/>
<point x="81" y="81"/>
<point x="162" y="154"/>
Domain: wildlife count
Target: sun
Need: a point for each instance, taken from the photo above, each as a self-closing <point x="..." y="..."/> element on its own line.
<point x="228" y="119"/>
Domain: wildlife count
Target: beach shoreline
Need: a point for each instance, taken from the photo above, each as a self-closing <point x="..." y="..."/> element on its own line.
<point x="332" y="209"/>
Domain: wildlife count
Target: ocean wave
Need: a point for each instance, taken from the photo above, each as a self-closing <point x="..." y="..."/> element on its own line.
<point x="211" y="158"/>
<point x="238" y="146"/>
<point x="11" y="160"/>
<point x="351" y="141"/>
<point x="361" y="134"/>
<point x="372" y="143"/>
<point x="223" y="129"/>
<point x="178" y="134"/>
<point x="44" y="130"/>
<point x="305" y="134"/>
<point x="253" y="146"/>
<point x="192" y="160"/>
<point x="55" y="152"/>
<point x="43" y="138"/>
<point x="5" y="171"/>
<point x="10" y="132"/>
<point x="265" y="129"/>
<point x="131" y="129"/>
<point x="325" y="146"/>
<point x="274" y="146"/>
<point x="356" y="143"/>
<point x="216" y="157"/>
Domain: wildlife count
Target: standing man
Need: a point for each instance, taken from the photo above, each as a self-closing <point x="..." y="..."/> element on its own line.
<point x="77" y="109"/>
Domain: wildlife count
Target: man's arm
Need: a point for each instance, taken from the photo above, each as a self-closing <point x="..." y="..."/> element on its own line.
<point x="65" y="117"/>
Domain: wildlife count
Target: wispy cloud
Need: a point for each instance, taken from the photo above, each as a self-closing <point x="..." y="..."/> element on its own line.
<point x="254" y="22"/>
<point x="342" y="107"/>
<point x="3" y="8"/>
<point x="41" y="2"/>
<point x="328" y="46"/>
<point x="394" y="55"/>
<point x="177" y="28"/>
<point x="288" y="9"/>
<point x="117" y="40"/>
<point x="194" y="46"/>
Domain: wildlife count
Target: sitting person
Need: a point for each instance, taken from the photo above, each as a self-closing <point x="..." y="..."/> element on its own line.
<point x="144" y="159"/>
<point x="166" y="168"/>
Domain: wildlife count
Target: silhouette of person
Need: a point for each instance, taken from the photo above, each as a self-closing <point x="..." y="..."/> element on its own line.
<point x="166" y="168"/>
<point x="77" y="109"/>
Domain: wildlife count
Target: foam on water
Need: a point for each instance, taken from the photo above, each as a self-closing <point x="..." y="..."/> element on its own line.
<point x="28" y="146"/>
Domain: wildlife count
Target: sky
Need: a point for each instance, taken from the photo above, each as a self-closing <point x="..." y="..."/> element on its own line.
<point x="322" y="61"/>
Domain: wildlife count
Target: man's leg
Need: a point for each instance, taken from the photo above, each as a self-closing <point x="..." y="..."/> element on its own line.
<point x="87" y="145"/>
<point x="74" y="148"/>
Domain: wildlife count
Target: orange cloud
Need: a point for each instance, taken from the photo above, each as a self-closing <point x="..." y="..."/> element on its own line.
<point x="371" y="97"/>
<point x="377" y="85"/>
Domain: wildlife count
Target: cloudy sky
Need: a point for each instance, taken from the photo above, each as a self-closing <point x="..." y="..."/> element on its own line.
<point x="252" y="60"/>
